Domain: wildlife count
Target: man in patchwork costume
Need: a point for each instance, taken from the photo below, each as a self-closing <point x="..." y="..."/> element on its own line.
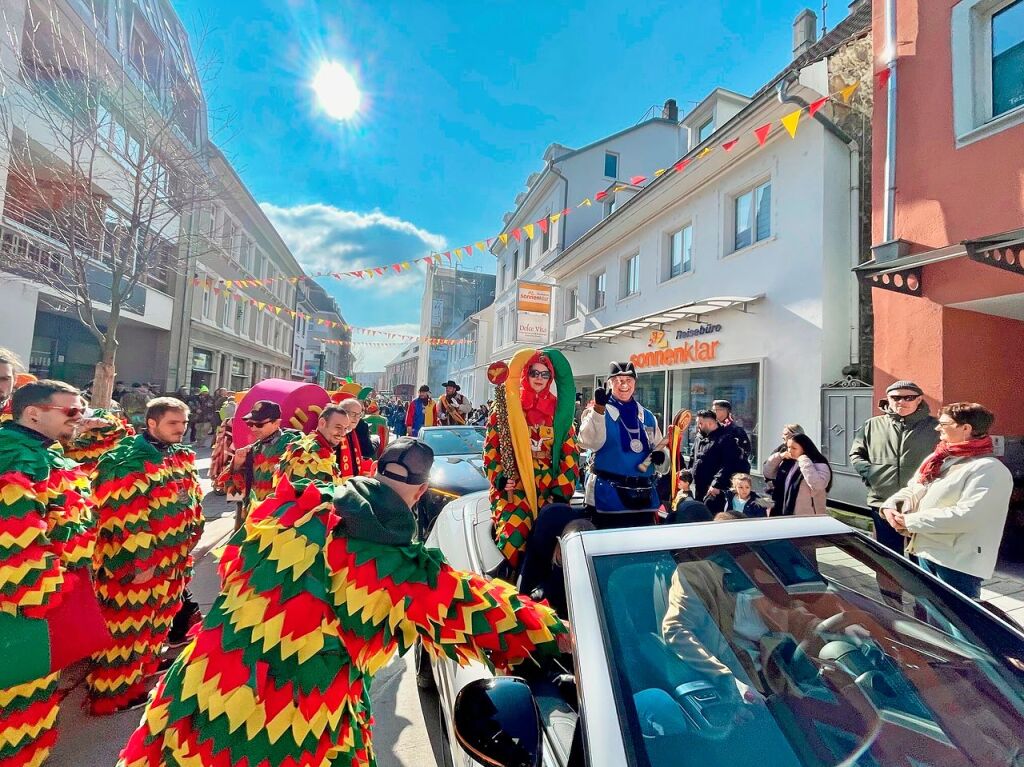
<point x="322" y="455"/>
<point x="321" y="588"/>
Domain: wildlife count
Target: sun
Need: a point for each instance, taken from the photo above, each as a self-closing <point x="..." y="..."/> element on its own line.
<point x="337" y="91"/>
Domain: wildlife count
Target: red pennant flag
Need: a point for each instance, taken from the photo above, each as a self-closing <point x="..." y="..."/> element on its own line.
<point x="637" y="180"/>
<point x="566" y="212"/>
<point x="814" y="106"/>
<point x="469" y="250"/>
<point x="379" y="270"/>
<point x="882" y="77"/>
<point x="730" y="144"/>
<point x="449" y="257"/>
<point x="600" y="196"/>
<point x="360" y="275"/>
<point x="517" y="233"/>
<point x="397" y="268"/>
<point x="681" y="165"/>
<point x="543" y="224"/>
<point x="762" y="133"/>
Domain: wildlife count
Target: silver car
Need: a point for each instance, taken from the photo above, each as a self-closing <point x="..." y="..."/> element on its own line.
<point x="787" y="641"/>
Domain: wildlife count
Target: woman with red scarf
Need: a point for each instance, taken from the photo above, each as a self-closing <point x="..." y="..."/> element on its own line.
<point x="530" y="453"/>
<point x="954" y="509"/>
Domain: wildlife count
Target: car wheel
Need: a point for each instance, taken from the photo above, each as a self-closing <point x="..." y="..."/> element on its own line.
<point x="424" y="674"/>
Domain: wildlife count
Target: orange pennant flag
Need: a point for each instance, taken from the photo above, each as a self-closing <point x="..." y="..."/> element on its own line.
<point x="528" y="228"/>
<point x="848" y="91"/>
<point x="790" y="122"/>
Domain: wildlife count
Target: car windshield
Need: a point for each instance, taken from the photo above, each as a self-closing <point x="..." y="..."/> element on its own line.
<point x="454" y="441"/>
<point x="810" y="651"/>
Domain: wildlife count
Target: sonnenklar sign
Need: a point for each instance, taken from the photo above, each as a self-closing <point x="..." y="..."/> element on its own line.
<point x="533" y="313"/>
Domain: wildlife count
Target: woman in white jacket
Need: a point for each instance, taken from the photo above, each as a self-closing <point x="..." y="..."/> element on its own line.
<point x="807" y="482"/>
<point x="955" y="507"/>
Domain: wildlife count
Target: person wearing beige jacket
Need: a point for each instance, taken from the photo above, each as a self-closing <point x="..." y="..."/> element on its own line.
<point x="955" y="507"/>
<point x="806" y="484"/>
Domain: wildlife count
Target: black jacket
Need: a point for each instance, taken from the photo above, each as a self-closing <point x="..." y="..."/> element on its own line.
<point x="716" y="458"/>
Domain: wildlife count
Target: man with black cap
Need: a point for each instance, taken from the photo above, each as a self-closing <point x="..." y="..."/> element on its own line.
<point x="623" y="434"/>
<point x="422" y="412"/>
<point x="251" y="473"/>
<point x="453" y="408"/>
<point x="889" y="448"/>
<point x="318" y="593"/>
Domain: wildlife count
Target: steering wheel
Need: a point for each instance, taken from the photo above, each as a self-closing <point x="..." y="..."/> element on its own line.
<point x="838" y="623"/>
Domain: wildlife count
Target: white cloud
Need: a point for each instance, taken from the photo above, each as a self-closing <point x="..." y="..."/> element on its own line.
<point x="328" y="239"/>
<point x="374" y="358"/>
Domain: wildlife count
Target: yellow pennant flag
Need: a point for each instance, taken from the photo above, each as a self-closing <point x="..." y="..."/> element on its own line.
<point x="705" y="153"/>
<point x="277" y="310"/>
<point x="790" y="121"/>
<point x="555" y="217"/>
<point x="227" y="283"/>
<point x="529" y="230"/>
<point x="405" y="265"/>
<point x="848" y="91"/>
<point x="261" y="305"/>
<point x="480" y="247"/>
<point x="659" y="172"/>
<point x="503" y="238"/>
<point x="586" y="203"/>
<point x="618" y="188"/>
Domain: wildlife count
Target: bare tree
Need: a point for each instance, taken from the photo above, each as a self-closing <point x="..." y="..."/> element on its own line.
<point x="107" y="167"/>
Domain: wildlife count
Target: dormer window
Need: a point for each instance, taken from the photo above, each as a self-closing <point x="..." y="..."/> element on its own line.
<point x="611" y="165"/>
<point x="705" y="130"/>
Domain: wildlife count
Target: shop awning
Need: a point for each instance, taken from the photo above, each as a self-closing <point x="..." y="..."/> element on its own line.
<point x="694" y="311"/>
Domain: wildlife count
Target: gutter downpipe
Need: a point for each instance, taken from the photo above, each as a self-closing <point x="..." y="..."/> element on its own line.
<point x="855" y="191"/>
<point x="889" y="214"/>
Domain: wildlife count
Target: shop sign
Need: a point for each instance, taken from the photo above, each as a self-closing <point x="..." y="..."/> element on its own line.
<point x="202" y="360"/>
<point x="673" y="356"/>
<point x="703" y="330"/>
<point x="533" y="313"/>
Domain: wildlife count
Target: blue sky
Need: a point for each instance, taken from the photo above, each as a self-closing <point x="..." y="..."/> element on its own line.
<point x="461" y="99"/>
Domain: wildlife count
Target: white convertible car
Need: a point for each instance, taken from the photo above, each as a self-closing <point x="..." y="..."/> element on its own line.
<point x="790" y="641"/>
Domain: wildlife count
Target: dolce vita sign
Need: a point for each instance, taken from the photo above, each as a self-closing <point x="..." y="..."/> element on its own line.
<point x="664" y="355"/>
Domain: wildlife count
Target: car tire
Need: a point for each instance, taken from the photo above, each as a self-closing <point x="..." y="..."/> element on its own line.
<point x="424" y="674"/>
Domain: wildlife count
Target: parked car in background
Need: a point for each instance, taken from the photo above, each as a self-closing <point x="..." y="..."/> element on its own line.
<point x="790" y="641"/>
<point x="458" y="468"/>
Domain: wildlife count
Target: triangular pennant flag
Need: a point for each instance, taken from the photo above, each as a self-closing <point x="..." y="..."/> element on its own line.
<point x="480" y="246"/>
<point x="277" y="310"/>
<point x="517" y="233"/>
<point x="848" y="91"/>
<point x="397" y="268"/>
<point x="619" y="188"/>
<point x="637" y="180"/>
<point x="659" y="172"/>
<point x="261" y="305"/>
<point x="406" y="265"/>
<point x="790" y="122"/>
<point x="681" y="165"/>
<point x="543" y="224"/>
<point x="704" y="153"/>
<point x="762" y="133"/>
<point x="555" y="217"/>
<point x="600" y="196"/>
<point x="586" y="203"/>
<point x="730" y="144"/>
<point x="359" y="275"/>
<point x="529" y="230"/>
<point x="469" y="250"/>
<point x="814" y="106"/>
<point x="882" y="77"/>
<point x="504" y="238"/>
<point x="228" y="283"/>
<point x="566" y="212"/>
<point x="459" y="256"/>
<point x="379" y="270"/>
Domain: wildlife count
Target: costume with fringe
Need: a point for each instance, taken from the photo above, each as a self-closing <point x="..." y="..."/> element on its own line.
<point x="149" y="517"/>
<point x="312" y="457"/>
<point x="88" y="446"/>
<point x="530" y="452"/>
<point x="319" y="590"/>
<point x="220" y="458"/>
<point x="254" y="480"/>
<point x="46" y="527"/>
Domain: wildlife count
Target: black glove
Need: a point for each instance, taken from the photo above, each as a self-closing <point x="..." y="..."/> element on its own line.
<point x="658" y="458"/>
<point x="600" y="397"/>
<point x="500" y="484"/>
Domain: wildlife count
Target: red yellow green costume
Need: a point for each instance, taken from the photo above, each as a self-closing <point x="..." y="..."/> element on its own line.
<point x="45" y="527"/>
<point x="319" y="590"/>
<point x="530" y="451"/>
<point x="149" y="517"/>
<point x="312" y="457"/>
<point x="258" y="471"/>
<point x="89" y="446"/>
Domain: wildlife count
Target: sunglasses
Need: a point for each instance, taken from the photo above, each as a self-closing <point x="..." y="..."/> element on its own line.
<point x="257" y="424"/>
<point x="540" y="374"/>
<point x="904" y="397"/>
<point x="70" y="412"/>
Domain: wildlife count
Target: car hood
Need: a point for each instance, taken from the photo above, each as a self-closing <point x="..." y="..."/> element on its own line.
<point x="459" y="473"/>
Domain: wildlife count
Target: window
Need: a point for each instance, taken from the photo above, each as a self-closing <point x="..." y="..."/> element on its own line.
<point x="598" y="291"/>
<point x="752" y="213"/>
<point x="1008" y="58"/>
<point x="206" y="304"/>
<point x="515" y="263"/>
<point x="571" y="297"/>
<point x="631" y="275"/>
<point x="545" y="239"/>
<point x="499" y="330"/>
<point x="680" y="252"/>
<point x="527" y="247"/>
<point x="503" y="282"/>
<point x="611" y="165"/>
<point x="511" y="333"/>
<point x="705" y="130"/>
<point x="610" y="205"/>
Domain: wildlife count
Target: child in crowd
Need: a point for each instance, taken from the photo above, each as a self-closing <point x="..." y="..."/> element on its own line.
<point x="741" y="498"/>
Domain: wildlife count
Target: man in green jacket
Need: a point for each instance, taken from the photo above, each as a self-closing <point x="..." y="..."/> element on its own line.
<point x="889" y="448"/>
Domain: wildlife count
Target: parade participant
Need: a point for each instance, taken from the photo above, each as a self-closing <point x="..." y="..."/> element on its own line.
<point x="453" y="408"/>
<point x="100" y="431"/>
<point x="623" y="434"/>
<point x="251" y="472"/>
<point x="9" y="364"/>
<point x="149" y="517"/>
<point x="317" y="594"/>
<point x="357" y="440"/>
<point x="422" y="412"/>
<point x="322" y="455"/>
<point x="530" y="451"/>
<point x="46" y="541"/>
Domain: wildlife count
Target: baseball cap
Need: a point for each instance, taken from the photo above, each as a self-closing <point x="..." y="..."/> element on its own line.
<point x="406" y="460"/>
<point x="263" y="410"/>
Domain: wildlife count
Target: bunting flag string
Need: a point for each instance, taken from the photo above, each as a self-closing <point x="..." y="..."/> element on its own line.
<point x="790" y="122"/>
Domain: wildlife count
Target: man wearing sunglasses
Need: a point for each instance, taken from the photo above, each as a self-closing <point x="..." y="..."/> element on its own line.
<point x="889" y="448"/>
<point x="45" y="536"/>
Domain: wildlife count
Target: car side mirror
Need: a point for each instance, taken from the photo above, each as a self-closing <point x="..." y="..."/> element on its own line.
<point x="497" y="722"/>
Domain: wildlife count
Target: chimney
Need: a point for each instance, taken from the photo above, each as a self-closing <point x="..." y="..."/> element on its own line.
<point x="805" y="31"/>
<point x="670" y="111"/>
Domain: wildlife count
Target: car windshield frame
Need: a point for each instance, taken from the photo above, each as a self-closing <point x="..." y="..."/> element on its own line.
<point x="965" y="640"/>
<point x="448" y="437"/>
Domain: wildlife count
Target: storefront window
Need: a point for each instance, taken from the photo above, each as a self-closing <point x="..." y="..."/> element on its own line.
<point x="696" y="389"/>
<point x="202" y="360"/>
<point x="650" y="392"/>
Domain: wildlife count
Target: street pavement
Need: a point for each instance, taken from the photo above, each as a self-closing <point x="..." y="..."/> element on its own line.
<point x="402" y="736"/>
